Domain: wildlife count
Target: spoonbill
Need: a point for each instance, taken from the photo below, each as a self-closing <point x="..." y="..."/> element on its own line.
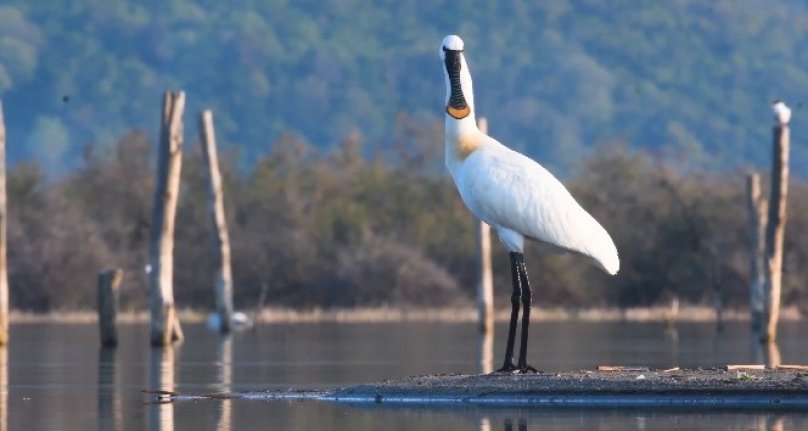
<point x="515" y="195"/>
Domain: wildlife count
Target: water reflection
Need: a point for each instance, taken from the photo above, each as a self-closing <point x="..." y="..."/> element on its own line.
<point x="508" y="424"/>
<point x="161" y="377"/>
<point x="225" y="379"/>
<point x="507" y="419"/>
<point x="54" y="375"/>
<point x="109" y="402"/>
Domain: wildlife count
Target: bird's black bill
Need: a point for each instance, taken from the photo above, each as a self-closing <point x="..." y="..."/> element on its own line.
<point x="457" y="106"/>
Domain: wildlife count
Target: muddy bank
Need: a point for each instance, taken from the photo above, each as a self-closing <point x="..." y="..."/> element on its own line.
<point x="701" y="388"/>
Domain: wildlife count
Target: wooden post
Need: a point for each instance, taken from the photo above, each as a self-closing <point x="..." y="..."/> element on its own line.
<point x="109" y="282"/>
<point x="775" y="230"/>
<point x="3" y="221"/>
<point x="486" y="352"/>
<point x="221" y="240"/>
<point x="485" y="287"/>
<point x="165" y="327"/>
<point x="756" y="209"/>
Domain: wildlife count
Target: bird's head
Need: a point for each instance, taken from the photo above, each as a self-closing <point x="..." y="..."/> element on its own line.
<point x="459" y="95"/>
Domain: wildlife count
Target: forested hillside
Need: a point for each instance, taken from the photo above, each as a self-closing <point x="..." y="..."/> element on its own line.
<point x="687" y="77"/>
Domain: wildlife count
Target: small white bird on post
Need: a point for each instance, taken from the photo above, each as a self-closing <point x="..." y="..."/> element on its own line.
<point x="782" y="113"/>
<point x="514" y="194"/>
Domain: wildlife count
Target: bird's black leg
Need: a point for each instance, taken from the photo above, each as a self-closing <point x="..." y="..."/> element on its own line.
<point x="527" y="299"/>
<point x="515" y="299"/>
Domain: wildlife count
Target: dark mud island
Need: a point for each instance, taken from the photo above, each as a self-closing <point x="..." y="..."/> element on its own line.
<point x="771" y="389"/>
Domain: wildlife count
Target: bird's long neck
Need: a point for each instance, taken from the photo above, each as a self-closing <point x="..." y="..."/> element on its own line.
<point x="461" y="132"/>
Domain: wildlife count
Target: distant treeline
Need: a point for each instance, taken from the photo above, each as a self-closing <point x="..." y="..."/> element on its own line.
<point x="689" y="75"/>
<point x="354" y="226"/>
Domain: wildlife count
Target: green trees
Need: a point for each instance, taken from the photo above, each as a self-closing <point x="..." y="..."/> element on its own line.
<point x="555" y="78"/>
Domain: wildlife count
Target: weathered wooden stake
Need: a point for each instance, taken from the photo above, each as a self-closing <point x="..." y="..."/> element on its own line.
<point x="756" y="209"/>
<point x="775" y="230"/>
<point x="109" y="282"/>
<point x="3" y="263"/>
<point x="485" y="288"/>
<point x="165" y="327"/>
<point x="221" y="240"/>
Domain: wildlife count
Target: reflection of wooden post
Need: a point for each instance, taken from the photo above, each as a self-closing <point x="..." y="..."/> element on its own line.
<point x="485" y="288"/>
<point x="775" y="229"/>
<point x="161" y="376"/>
<point x="221" y="249"/>
<point x="109" y="402"/>
<point x="224" y="414"/>
<point x="756" y="208"/>
<point x="165" y="327"/>
<point x="108" y="298"/>
<point x="3" y="268"/>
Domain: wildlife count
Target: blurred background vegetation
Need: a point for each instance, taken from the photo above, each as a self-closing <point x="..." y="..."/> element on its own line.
<point x="326" y="228"/>
<point x="328" y="113"/>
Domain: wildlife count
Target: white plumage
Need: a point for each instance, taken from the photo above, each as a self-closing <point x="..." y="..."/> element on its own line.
<point x="514" y="194"/>
<point x="782" y="113"/>
<point x="519" y="198"/>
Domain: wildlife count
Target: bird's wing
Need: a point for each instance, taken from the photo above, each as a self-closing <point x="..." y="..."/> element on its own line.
<point x="505" y="188"/>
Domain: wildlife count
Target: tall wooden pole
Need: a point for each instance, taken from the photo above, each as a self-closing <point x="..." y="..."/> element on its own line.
<point x="108" y="299"/>
<point x="775" y="229"/>
<point x="3" y="221"/>
<point x="165" y="327"/>
<point x="221" y="239"/>
<point x="485" y="287"/>
<point x="756" y="209"/>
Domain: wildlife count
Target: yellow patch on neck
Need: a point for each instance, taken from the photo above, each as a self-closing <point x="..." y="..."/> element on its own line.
<point x="466" y="144"/>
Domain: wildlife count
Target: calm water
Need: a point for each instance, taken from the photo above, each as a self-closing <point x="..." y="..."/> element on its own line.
<point x="55" y="377"/>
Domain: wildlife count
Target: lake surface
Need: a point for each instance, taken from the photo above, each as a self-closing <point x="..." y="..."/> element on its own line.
<point x="54" y="376"/>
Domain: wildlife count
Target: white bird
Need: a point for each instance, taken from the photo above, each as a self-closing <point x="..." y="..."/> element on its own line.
<point x="514" y="194"/>
<point x="238" y="321"/>
<point x="782" y="113"/>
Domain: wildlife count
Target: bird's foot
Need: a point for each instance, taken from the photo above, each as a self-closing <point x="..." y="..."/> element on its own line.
<point x="508" y="367"/>
<point x="525" y="369"/>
